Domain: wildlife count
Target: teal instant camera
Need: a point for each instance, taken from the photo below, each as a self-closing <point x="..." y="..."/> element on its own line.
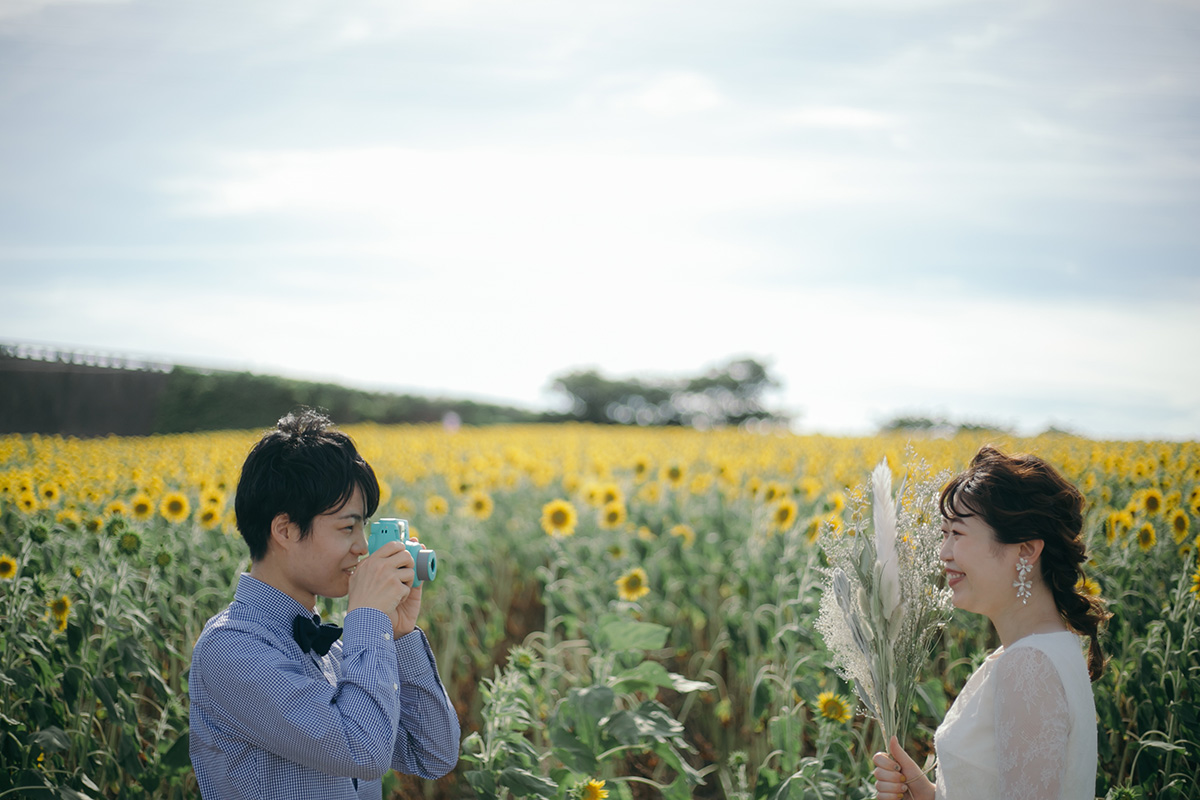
<point x="396" y="530"/>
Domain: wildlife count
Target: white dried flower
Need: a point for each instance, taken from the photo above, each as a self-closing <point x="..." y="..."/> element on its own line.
<point x="885" y="537"/>
<point x="882" y="606"/>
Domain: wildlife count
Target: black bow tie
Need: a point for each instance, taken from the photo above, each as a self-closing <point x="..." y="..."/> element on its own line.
<point x="310" y="634"/>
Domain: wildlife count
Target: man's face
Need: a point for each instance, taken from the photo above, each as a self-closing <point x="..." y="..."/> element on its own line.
<point x="323" y="561"/>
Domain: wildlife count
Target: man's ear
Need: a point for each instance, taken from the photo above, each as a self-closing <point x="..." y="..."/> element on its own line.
<point x="284" y="532"/>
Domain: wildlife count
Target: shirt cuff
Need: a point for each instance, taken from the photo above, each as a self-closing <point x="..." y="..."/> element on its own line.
<point x="415" y="658"/>
<point x="365" y="627"/>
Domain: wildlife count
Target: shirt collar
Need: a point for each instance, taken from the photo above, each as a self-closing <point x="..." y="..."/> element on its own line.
<point x="264" y="603"/>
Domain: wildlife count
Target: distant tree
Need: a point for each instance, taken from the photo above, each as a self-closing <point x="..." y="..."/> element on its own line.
<point x="941" y="425"/>
<point x="197" y="400"/>
<point x="983" y="427"/>
<point x="910" y="423"/>
<point x="726" y="395"/>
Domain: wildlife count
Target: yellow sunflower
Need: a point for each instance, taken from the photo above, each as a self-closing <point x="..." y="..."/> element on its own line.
<point x="1195" y="582"/>
<point x="210" y="517"/>
<point x="1088" y="586"/>
<point x="175" y="507"/>
<point x="612" y="515"/>
<point x="700" y="484"/>
<point x="632" y="585"/>
<point x="436" y="505"/>
<point x="772" y="491"/>
<point x="480" y="504"/>
<point x="141" y="507"/>
<point x="684" y="532"/>
<point x="833" y="707"/>
<point x="60" y="609"/>
<point x="460" y="485"/>
<point x="8" y="568"/>
<point x="808" y="488"/>
<point x="49" y="492"/>
<point x="1179" y="524"/>
<point x="784" y="515"/>
<point x="641" y="467"/>
<point x="116" y="508"/>
<point x="593" y="790"/>
<point x="673" y="474"/>
<point x="61" y="606"/>
<point x="27" y="502"/>
<point x="650" y="493"/>
<point x="558" y="518"/>
<point x="1152" y="501"/>
<point x="70" y="517"/>
<point x="1146" y="536"/>
<point x="1119" y="523"/>
<point x="611" y="493"/>
<point x="753" y="484"/>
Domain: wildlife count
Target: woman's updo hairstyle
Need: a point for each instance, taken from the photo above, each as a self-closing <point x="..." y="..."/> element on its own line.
<point x="1023" y="498"/>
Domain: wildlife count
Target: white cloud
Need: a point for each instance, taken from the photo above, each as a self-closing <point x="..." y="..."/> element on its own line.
<point x="840" y="117"/>
<point x="670" y="94"/>
<point x="390" y="182"/>
<point x="536" y="212"/>
<point x="13" y="9"/>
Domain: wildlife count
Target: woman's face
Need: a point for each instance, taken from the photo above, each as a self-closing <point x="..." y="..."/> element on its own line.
<point x="979" y="570"/>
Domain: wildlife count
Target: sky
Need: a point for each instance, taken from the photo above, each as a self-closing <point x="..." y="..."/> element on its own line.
<point x="961" y="209"/>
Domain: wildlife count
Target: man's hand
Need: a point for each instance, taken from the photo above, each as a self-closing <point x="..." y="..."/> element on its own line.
<point x="383" y="580"/>
<point x="409" y="606"/>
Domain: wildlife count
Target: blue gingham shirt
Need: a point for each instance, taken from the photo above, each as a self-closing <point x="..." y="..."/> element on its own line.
<point x="271" y="721"/>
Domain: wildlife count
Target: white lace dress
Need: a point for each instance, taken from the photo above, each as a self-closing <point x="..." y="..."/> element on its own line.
<point x="1024" y="726"/>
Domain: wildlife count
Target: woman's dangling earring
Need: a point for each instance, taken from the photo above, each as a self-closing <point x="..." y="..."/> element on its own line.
<point x="1023" y="584"/>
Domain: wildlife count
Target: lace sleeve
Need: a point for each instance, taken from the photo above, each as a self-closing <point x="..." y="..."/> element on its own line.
<point x="1032" y="725"/>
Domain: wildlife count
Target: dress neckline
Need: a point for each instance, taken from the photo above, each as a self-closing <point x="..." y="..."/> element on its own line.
<point x="1001" y="650"/>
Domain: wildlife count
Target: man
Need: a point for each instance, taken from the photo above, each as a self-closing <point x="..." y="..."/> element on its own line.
<point x="279" y="707"/>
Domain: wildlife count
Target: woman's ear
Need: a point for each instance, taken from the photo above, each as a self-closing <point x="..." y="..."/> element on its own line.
<point x="1031" y="550"/>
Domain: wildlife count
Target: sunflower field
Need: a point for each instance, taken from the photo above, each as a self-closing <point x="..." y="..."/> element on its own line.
<point x="619" y="612"/>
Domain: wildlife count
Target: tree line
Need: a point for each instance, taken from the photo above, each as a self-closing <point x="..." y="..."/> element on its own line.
<point x="61" y="396"/>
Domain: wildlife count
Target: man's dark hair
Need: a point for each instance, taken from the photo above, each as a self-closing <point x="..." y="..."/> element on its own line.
<point x="303" y="468"/>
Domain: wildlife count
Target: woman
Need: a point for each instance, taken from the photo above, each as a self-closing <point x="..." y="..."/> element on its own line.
<point x="1024" y="726"/>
